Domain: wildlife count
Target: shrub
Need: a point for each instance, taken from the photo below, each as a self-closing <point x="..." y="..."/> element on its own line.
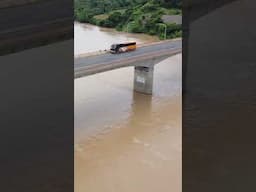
<point x="81" y="15"/>
<point x="115" y="18"/>
<point x="149" y="7"/>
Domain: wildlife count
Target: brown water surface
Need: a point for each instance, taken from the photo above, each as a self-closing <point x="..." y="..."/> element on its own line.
<point x="125" y="141"/>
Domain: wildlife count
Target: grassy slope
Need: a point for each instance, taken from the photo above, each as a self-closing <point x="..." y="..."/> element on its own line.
<point x="106" y="15"/>
<point x="165" y="11"/>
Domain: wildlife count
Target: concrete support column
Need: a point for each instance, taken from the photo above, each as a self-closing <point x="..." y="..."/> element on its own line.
<point x="143" y="79"/>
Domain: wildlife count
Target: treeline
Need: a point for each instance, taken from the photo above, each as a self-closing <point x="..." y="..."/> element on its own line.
<point x="137" y="16"/>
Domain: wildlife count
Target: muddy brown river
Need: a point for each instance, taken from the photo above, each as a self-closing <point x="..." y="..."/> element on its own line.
<point x="126" y="141"/>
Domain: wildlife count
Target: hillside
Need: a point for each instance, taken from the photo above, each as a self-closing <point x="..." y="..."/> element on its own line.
<point x="136" y="16"/>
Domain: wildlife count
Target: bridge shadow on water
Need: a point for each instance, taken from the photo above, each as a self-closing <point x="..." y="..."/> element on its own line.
<point x="141" y="106"/>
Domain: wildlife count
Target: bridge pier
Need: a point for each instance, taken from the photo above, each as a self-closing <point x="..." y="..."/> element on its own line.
<point x="143" y="79"/>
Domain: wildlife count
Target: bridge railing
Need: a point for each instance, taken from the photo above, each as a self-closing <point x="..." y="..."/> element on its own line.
<point x="124" y="62"/>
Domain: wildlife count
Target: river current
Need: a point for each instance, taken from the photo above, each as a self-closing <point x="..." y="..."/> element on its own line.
<point x="126" y="141"/>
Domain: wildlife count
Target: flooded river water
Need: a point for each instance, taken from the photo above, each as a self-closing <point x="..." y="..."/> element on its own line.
<point x="126" y="141"/>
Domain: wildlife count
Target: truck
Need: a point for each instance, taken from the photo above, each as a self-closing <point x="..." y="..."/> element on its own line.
<point x="123" y="47"/>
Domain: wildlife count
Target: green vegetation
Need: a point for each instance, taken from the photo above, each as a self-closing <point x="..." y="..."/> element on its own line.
<point x="136" y="16"/>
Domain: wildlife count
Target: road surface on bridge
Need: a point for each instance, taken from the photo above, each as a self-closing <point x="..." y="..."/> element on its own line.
<point x="165" y="46"/>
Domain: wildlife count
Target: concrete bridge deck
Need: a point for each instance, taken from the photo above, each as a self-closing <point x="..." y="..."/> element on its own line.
<point x="144" y="55"/>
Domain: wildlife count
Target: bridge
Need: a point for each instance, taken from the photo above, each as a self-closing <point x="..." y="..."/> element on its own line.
<point x="143" y="59"/>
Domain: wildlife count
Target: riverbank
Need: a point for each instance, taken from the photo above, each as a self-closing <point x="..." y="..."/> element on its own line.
<point x="147" y="17"/>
